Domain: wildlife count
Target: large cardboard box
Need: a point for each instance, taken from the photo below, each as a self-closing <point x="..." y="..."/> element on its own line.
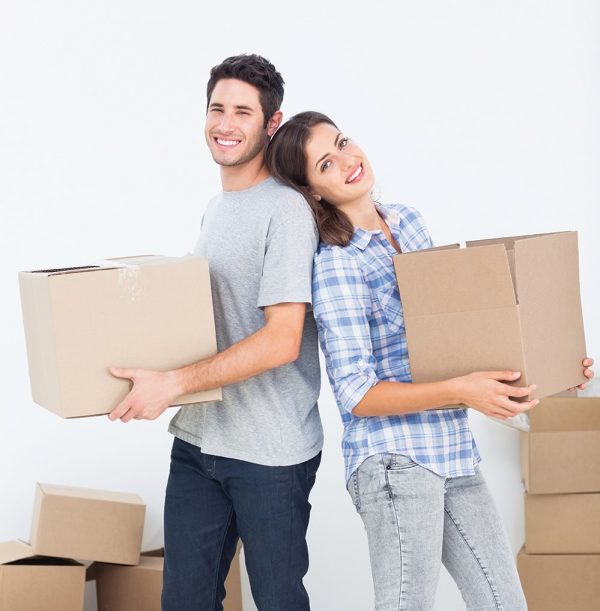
<point x="123" y="588"/>
<point x="502" y="304"/>
<point x="561" y="453"/>
<point x="35" y="583"/>
<point x="87" y="524"/>
<point x="562" y="523"/>
<point x="151" y="312"/>
<point x="560" y="582"/>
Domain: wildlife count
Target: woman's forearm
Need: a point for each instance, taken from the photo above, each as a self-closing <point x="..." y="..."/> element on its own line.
<point x="392" y="398"/>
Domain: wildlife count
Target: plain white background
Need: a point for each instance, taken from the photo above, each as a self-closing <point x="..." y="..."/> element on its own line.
<point x="483" y="114"/>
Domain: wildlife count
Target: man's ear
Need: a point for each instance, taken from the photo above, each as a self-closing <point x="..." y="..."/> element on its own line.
<point x="274" y="123"/>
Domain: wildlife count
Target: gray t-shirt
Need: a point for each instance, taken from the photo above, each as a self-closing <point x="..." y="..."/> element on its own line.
<point x="260" y="244"/>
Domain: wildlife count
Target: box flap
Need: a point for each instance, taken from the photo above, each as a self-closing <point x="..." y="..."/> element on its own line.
<point x="547" y="281"/>
<point x="11" y="551"/>
<point x="563" y="414"/>
<point x="457" y="280"/>
<point x="87" y="493"/>
<point x="508" y="241"/>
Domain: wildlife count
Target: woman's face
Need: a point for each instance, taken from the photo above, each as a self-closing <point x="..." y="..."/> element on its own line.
<point x="337" y="170"/>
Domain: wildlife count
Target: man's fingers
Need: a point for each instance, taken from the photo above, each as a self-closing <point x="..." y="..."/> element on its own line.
<point x="120" y="410"/>
<point x="123" y="372"/>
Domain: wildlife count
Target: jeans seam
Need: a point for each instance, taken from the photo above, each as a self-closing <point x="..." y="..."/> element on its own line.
<point x="484" y="570"/>
<point x="218" y="565"/>
<point x="402" y="596"/>
<point x="356" y="490"/>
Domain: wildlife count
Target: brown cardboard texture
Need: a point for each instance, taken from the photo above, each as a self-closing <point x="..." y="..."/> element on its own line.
<point x="151" y="312"/>
<point x="562" y="523"/>
<point x="502" y="304"/>
<point x="123" y="588"/>
<point x="560" y="582"/>
<point x="561" y="453"/>
<point x="87" y="524"/>
<point x="35" y="583"/>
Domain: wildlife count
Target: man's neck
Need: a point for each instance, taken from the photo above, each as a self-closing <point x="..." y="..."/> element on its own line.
<point x="240" y="177"/>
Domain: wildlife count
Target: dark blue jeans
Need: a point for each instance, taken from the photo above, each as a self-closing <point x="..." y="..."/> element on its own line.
<point x="212" y="501"/>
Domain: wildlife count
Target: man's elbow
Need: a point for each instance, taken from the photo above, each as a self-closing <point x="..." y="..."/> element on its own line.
<point x="290" y="350"/>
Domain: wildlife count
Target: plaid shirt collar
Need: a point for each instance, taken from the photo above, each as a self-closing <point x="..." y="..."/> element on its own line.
<point x="361" y="237"/>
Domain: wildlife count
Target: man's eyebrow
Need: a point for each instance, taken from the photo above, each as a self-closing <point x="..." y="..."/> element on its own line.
<point x="237" y="106"/>
<point x="334" y="145"/>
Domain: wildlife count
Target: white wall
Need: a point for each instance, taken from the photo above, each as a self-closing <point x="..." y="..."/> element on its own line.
<point x="482" y="114"/>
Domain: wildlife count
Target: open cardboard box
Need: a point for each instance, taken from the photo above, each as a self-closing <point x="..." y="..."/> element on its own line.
<point x="35" y="583"/>
<point x="123" y="588"/>
<point x="502" y="304"/>
<point x="87" y="524"/>
<point x="561" y="453"/>
<point x="150" y="312"/>
<point x="560" y="582"/>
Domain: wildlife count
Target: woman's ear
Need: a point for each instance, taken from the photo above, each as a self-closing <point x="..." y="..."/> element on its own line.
<point x="316" y="196"/>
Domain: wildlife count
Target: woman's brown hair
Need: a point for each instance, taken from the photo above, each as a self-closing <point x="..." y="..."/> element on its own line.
<point x="286" y="161"/>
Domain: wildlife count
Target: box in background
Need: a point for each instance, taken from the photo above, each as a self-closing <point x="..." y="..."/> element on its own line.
<point x="146" y="312"/>
<point x="87" y="524"/>
<point x="560" y="582"/>
<point x="562" y="523"/>
<point x="503" y="304"/>
<point x="561" y="453"/>
<point x="35" y="583"/>
<point x="123" y="588"/>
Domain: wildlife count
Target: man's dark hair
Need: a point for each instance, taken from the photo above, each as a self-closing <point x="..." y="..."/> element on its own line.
<point x="254" y="70"/>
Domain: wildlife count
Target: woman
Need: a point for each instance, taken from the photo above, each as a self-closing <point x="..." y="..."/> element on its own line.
<point x="411" y="461"/>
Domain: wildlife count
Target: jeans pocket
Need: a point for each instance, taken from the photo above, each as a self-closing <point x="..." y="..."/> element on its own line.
<point x="398" y="462"/>
<point x="353" y="491"/>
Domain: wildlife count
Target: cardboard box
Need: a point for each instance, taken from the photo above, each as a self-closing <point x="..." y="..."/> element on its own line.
<point x="150" y="312"/>
<point x="562" y="523"/>
<point x="34" y="583"/>
<point x="561" y="453"/>
<point x="503" y="304"/>
<point x="87" y="524"/>
<point x="123" y="588"/>
<point x="560" y="582"/>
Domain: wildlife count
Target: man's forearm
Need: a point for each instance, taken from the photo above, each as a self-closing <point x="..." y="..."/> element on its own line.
<point x="255" y="354"/>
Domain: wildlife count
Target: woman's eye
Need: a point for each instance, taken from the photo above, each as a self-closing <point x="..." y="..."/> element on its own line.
<point x="325" y="165"/>
<point x="343" y="142"/>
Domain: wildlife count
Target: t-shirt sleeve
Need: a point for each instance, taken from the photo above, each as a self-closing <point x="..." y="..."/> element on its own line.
<point x="289" y="251"/>
<point x="342" y="306"/>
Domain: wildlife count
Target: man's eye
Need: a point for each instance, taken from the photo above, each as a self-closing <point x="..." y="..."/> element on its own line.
<point x="215" y="110"/>
<point x="343" y="142"/>
<point x="325" y="165"/>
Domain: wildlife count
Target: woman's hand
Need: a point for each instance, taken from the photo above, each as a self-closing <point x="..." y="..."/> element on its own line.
<point x="485" y="392"/>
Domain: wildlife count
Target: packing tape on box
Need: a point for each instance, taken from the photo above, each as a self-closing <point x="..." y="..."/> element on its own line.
<point x="128" y="278"/>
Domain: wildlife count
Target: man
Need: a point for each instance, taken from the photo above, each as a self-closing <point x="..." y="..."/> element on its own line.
<point x="243" y="467"/>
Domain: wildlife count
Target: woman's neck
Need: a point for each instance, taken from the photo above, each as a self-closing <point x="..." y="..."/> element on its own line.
<point x="363" y="213"/>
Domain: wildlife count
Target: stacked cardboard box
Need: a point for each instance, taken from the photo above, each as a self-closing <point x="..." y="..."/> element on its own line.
<point x="104" y="527"/>
<point x="560" y="562"/>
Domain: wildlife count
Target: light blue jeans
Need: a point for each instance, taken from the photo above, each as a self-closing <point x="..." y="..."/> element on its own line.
<point x="415" y="520"/>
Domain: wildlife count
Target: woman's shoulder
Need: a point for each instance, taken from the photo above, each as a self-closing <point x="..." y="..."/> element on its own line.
<point x="330" y="258"/>
<point x="406" y="215"/>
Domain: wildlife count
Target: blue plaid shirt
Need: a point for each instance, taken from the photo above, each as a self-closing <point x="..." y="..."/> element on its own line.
<point x="357" y="307"/>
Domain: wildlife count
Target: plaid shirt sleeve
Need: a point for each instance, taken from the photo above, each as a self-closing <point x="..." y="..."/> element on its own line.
<point x="342" y="306"/>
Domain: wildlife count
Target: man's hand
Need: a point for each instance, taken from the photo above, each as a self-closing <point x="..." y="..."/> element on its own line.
<point x="587" y="372"/>
<point x="151" y="394"/>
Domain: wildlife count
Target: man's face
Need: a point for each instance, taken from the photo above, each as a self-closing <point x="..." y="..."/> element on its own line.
<point x="234" y="129"/>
